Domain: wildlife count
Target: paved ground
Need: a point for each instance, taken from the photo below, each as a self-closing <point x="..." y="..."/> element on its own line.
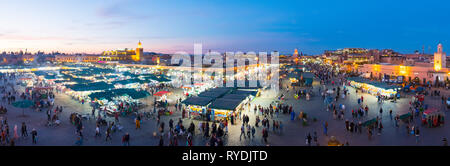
<point x="294" y="132"/>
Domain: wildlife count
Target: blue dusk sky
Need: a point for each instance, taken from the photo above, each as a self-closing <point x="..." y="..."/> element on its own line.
<point x="167" y="26"/>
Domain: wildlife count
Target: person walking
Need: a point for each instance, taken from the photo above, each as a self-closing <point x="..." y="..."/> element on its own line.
<point x="253" y="131"/>
<point x="189" y="140"/>
<point x="249" y="131"/>
<point x="417" y="135"/>
<point x="242" y="132"/>
<point x="49" y="112"/>
<point x="325" y="128"/>
<point x="93" y="112"/>
<point x="34" y="136"/>
<point x="390" y="114"/>
<point x="24" y="130"/>
<point x="157" y="120"/>
<point x="97" y="131"/>
<point x="274" y="126"/>
<point x="265" y="135"/>
<point x="226" y="127"/>
<point x="138" y="123"/>
<point x="206" y="134"/>
<point x="308" y="139"/>
<point x="366" y="109"/>
<point x="407" y="129"/>
<point x="16" y="136"/>
<point x="170" y="124"/>
<point x="126" y="139"/>
<point x="108" y="134"/>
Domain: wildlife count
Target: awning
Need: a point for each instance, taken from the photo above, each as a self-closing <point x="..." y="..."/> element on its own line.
<point x="200" y="101"/>
<point x="225" y="104"/>
<point x="430" y="111"/>
<point x="161" y="93"/>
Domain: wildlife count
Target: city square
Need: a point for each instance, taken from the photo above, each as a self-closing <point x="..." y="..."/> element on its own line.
<point x="235" y="74"/>
<point x="293" y="132"/>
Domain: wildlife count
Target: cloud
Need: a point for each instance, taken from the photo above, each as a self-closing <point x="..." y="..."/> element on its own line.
<point x="119" y="10"/>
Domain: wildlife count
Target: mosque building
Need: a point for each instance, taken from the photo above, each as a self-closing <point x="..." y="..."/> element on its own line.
<point x="119" y="55"/>
<point x="123" y="54"/>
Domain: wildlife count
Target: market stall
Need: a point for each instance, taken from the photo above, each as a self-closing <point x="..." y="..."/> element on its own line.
<point x="116" y="100"/>
<point x="373" y="87"/>
<point x="223" y="108"/>
<point x="197" y="106"/>
<point x="433" y="117"/>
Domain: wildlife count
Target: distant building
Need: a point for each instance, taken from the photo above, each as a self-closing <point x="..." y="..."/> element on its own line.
<point x="349" y="55"/>
<point x="75" y="58"/>
<point x="123" y="54"/>
<point x="421" y="72"/>
<point x="8" y="59"/>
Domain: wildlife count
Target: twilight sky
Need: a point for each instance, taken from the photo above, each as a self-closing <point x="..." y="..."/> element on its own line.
<point x="168" y="26"/>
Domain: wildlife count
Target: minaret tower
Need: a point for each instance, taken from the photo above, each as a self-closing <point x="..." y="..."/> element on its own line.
<point x="295" y="56"/>
<point x="439" y="58"/>
<point x="139" y="52"/>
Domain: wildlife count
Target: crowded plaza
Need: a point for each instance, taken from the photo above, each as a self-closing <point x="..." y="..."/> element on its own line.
<point x="318" y="104"/>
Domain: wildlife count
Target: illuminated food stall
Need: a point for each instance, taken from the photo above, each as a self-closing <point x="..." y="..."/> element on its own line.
<point x="194" y="89"/>
<point x="301" y="79"/>
<point x="373" y="87"/>
<point x="224" y="107"/>
<point x="218" y="103"/>
<point x="197" y="106"/>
